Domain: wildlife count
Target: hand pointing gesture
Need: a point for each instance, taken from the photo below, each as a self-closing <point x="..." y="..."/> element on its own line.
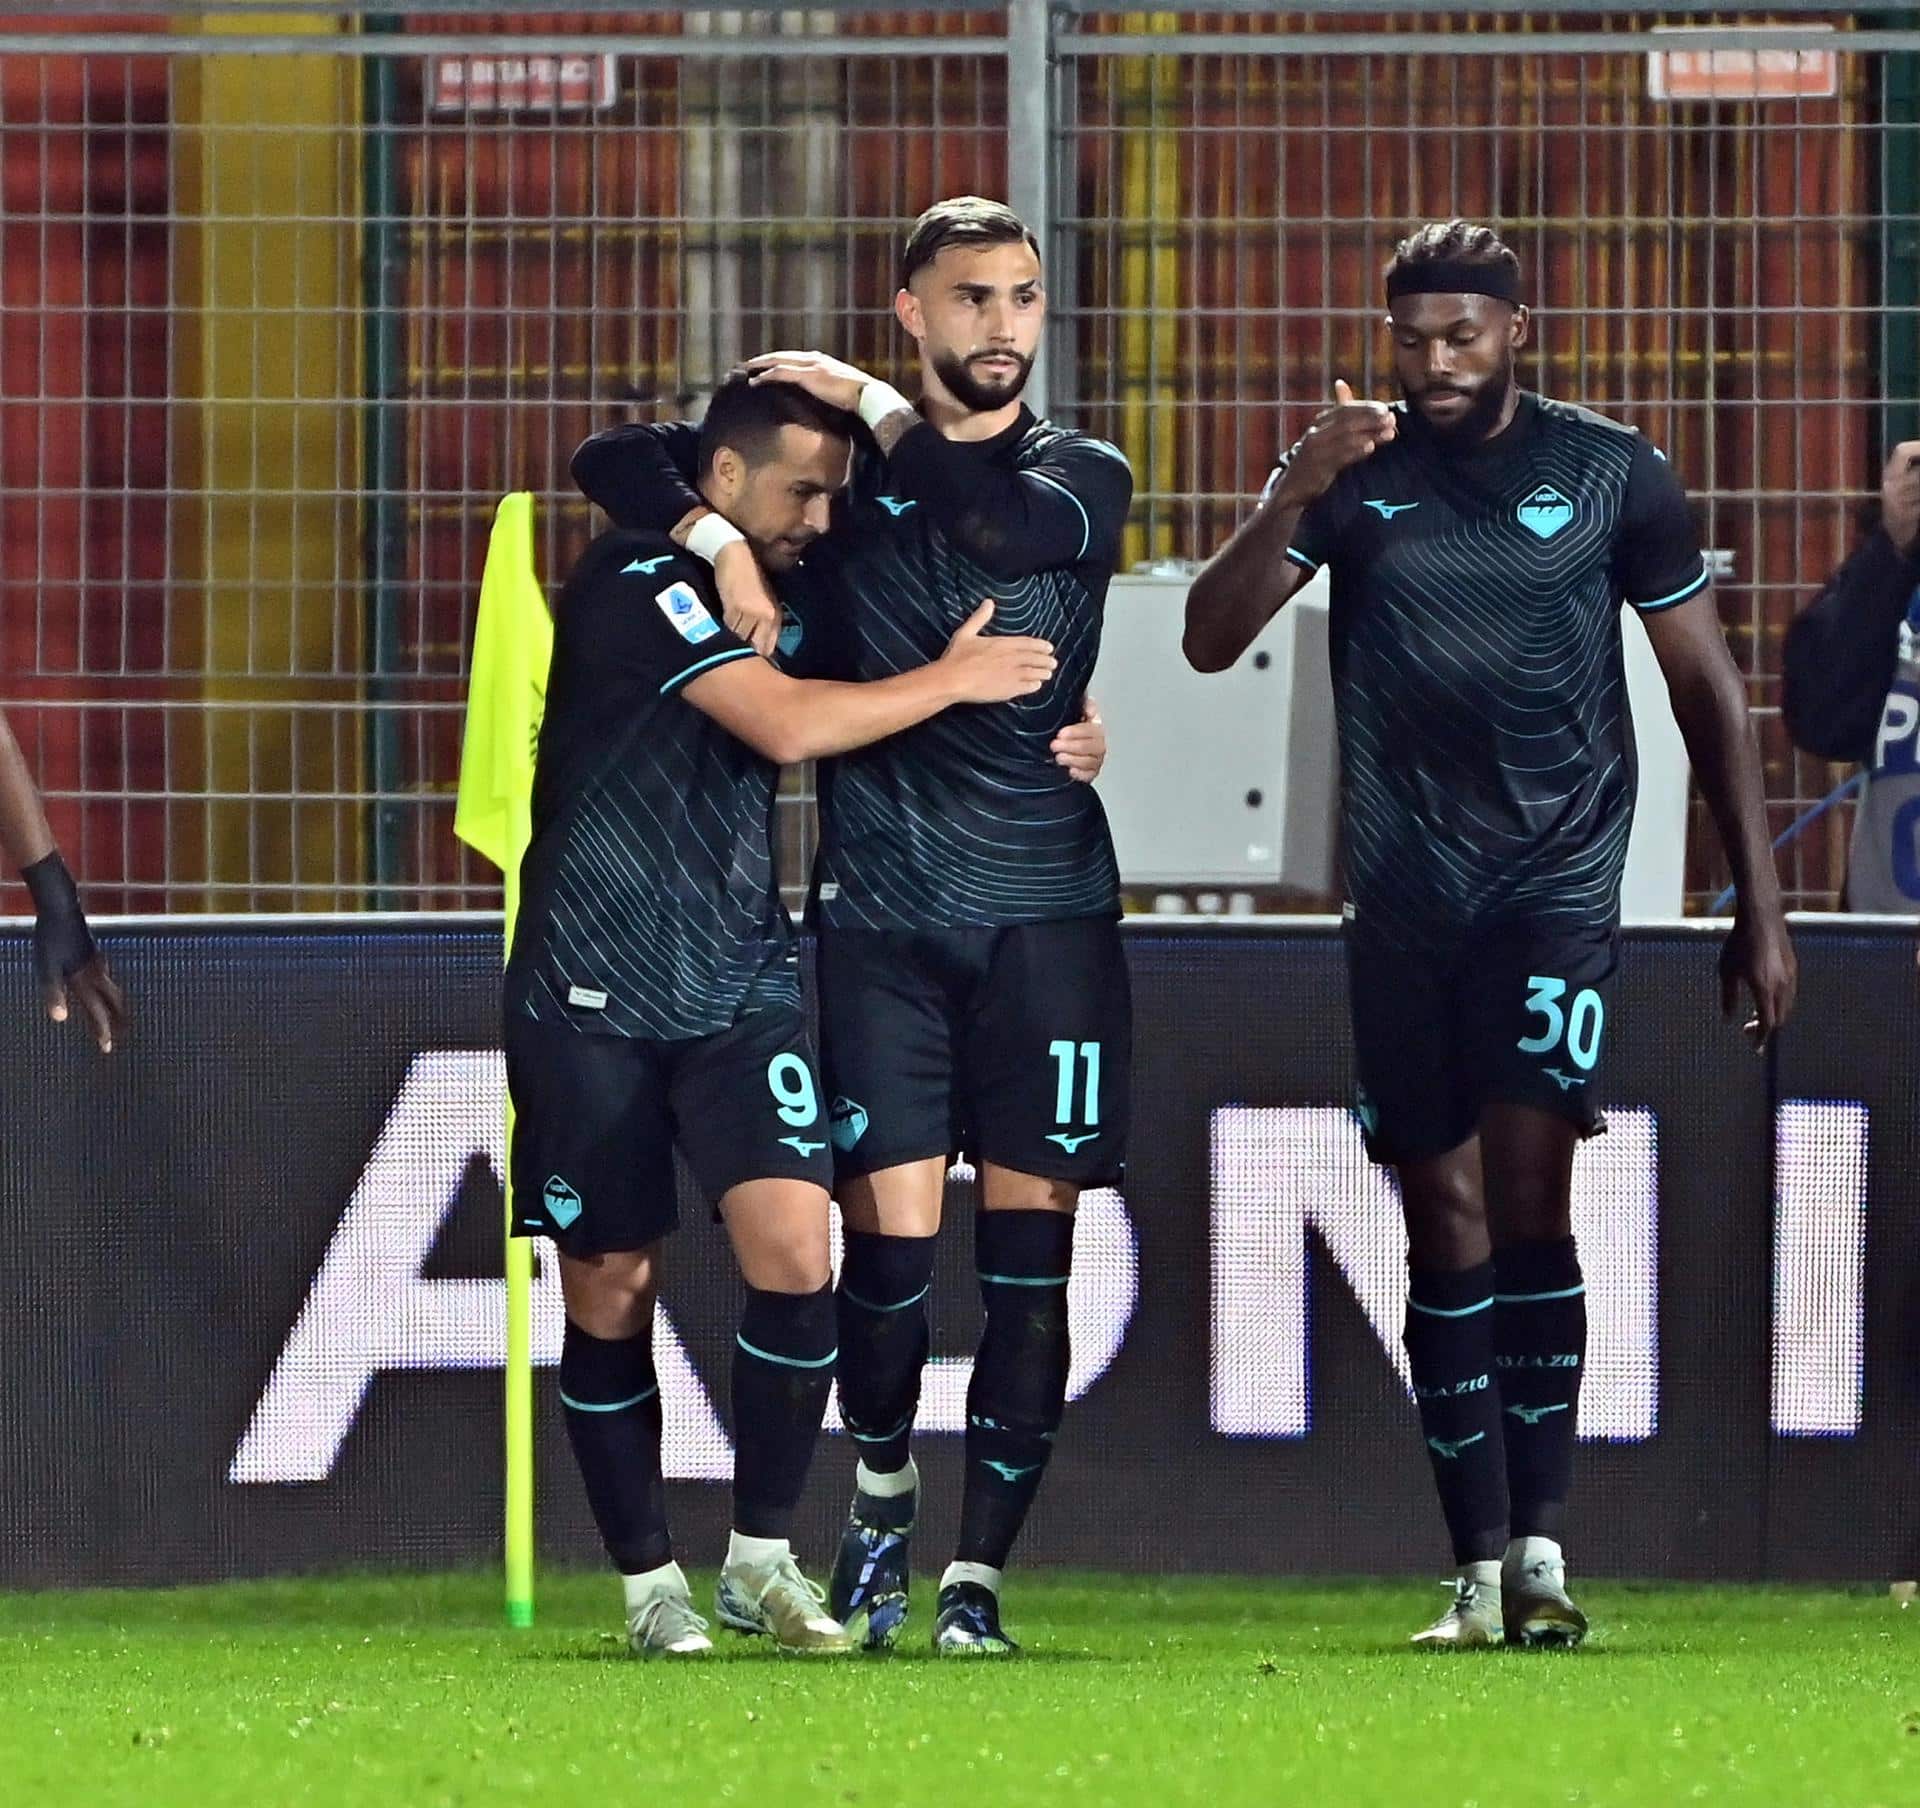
<point x="1340" y="436"/>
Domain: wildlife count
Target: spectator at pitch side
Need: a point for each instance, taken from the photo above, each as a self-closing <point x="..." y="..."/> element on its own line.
<point x="1853" y="690"/>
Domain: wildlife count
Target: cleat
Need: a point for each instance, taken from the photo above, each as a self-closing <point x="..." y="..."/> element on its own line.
<point x="1471" y="1623"/>
<point x="967" y="1623"/>
<point x="868" y="1591"/>
<point x="664" y="1624"/>
<point x="781" y="1603"/>
<point x="1539" y="1613"/>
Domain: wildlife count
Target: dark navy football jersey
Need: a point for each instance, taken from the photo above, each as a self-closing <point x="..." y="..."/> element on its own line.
<point x="1487" y="769"/>
<point x="965" y="820"/>
<point x="648" y="905"/>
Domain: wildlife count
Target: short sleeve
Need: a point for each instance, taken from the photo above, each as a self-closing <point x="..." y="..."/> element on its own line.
<point x="659" y="617"/>
<point x="1657" y="561"/>
<point x="1096" y="478"/>
<point x="1322" y="522"/>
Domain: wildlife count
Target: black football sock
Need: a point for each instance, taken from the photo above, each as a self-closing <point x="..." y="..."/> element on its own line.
<point x="1540" y="1353"/>
<point x="882" y="1306"/>
<point x="1449" y="1340"/>
<point x="611" y="1400"/>
<point x="782" y="1367"/>
<point x="1019" y="1387"/>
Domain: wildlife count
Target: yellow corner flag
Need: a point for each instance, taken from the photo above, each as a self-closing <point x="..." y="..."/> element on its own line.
<point x="493" y="815"/>
<point x="506" y="695"/>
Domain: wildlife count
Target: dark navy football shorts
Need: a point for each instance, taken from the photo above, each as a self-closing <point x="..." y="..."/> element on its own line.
<point x="1515" y="1015"/>
<point x="597" y="1119"/>
<point x="1014" y="1045"/>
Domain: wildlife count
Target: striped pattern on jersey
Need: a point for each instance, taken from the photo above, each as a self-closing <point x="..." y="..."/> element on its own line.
<point x="1487" y="767"/>
<point x="663" y="897"/>
<point x="648" y="903"/>
<point x="965" y="820"/>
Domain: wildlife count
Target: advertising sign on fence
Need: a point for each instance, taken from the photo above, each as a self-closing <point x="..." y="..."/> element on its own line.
<point x="252" y="1322"/>
<point x="1697" y="70"/>
<point x="521" y="83"/>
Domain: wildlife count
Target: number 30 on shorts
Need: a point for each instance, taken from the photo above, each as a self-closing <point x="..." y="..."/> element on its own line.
<point x="1579" y="1025"/>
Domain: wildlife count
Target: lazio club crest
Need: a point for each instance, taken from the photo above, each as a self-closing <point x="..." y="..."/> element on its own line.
<point x="1545" y="512"/>
<point x="562" y="1202"/>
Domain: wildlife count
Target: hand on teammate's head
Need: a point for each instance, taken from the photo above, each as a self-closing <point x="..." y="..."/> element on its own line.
<point x="830" y="380"/>
<point x="1900" y="496"/>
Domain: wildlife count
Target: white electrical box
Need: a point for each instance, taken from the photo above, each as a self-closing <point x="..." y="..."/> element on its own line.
<point x="1223" y="778"/>
<point x="1232" y="778"/>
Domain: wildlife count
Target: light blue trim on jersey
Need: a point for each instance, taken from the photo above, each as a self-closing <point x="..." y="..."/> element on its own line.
<point x="1300" y="558"/>
<point x="1454" y="1311"/>
<point x="673" y="684"/>
<point x="1026" y="1280"/>
<point x="566" y="1399"/>
<point x="1679" y="596"/>
<point x="1514" y="1299"/>
<point x="1086" y="525"/>
<point x="786" y="1362"/>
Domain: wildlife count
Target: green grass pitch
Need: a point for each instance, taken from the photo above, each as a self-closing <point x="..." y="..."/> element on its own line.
<point x="409" y="1692"/>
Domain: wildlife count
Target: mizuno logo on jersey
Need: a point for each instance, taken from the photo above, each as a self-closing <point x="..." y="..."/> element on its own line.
<point x="1387" y="510"/>
<point x="894" y="506"/>
<point x="681" y="605"/>
<point x="647" y="567"/>
<point x="802" y="1146"/>
<point x="1545" y="512"/>
<point x="1565" y="1081"/>
<point x="1072" y="1143"/>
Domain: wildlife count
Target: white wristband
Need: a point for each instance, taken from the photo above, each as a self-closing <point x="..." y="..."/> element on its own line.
<point x="711" y="535"/>
<point x="878" y="400"/>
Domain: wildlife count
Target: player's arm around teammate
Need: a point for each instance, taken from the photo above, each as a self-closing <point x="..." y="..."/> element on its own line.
<point x="652" y="1003"/>
<point x="71" y="969"/>
<point x="640" y="473"/>
<point x="793" y="719"/>
<point x="1011" y="522"/>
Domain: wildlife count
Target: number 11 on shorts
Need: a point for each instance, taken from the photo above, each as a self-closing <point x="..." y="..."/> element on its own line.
<point x="1066" y="1057"/>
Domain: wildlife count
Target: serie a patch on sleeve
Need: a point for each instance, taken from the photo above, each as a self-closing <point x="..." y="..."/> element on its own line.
<point x="681" y="605"/>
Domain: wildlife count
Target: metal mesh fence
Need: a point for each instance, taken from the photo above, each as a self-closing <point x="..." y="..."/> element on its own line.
<point x="288" y="301"/>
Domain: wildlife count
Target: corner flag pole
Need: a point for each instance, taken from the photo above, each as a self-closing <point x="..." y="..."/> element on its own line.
<point x="506" y="697"/>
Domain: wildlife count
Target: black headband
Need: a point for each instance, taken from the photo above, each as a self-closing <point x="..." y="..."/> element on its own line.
<point x="1443" y="276"/>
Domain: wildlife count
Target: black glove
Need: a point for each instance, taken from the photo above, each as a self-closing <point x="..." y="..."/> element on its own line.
<point x="62" y="943"/>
